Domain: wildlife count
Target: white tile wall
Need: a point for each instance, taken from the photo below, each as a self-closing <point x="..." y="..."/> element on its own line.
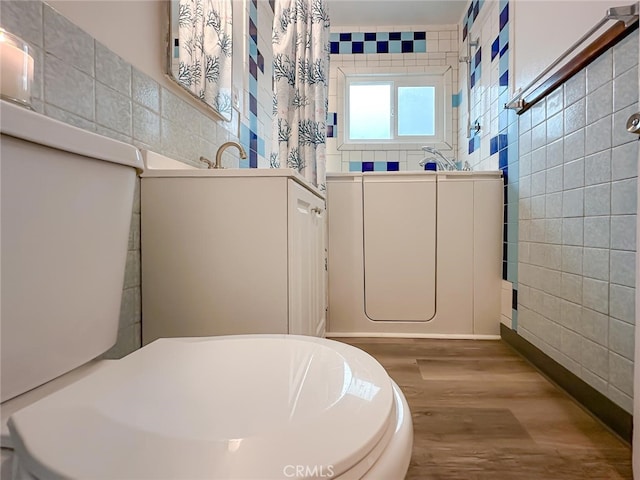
<point x="442" y="49"/>
<point x="594" y="199"/>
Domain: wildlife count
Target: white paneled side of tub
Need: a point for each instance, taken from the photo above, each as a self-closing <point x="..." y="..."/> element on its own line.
<point x="457" y="216"/>
<point x="399" y="247"/>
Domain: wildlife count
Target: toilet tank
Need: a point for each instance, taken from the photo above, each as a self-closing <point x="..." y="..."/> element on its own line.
<point x="66" y="198"/>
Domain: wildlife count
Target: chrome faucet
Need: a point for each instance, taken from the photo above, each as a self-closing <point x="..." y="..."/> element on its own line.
<point x="221" y="150"/>
<point x="207" y="161"/>
<point x="444" y="163"/>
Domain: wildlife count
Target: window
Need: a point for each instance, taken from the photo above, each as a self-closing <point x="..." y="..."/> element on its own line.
<point x="385" y="107"/>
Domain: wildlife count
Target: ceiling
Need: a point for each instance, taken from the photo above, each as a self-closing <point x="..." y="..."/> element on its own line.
<point x="395" y="12"/>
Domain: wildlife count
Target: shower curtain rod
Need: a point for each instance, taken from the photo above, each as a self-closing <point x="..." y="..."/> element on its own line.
<point x="627" y="14"/>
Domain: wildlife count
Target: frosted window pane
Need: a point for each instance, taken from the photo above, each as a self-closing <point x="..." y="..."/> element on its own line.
<point x="369" y="112"/>
<point x="416" y="111"/>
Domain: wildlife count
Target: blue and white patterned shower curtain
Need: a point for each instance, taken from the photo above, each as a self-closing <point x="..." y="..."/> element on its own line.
<point x="301" y="75"/>
<point x="205" y="42"/>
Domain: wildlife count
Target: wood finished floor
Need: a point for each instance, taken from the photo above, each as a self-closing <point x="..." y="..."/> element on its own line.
<point x="480" y="411"/>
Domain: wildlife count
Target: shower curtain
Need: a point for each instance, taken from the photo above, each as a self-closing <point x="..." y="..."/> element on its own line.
<point x="205" y="42"/>
<point x="301" y="75"/>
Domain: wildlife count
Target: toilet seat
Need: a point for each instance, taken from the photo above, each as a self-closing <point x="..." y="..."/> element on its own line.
<point x="291" y="401"/>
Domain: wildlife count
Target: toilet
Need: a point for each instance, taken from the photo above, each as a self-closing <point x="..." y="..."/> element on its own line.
<point x="227" y="407"/>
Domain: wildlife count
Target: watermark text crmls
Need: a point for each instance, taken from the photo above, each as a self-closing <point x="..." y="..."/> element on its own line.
<point x="306" y="471"/>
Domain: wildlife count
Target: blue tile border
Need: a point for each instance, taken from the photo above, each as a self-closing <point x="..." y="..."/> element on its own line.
<point x="372" y="166"/>
<point x="377" y="42"/>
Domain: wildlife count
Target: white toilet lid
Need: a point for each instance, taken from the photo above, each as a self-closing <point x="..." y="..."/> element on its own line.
<point x="217" y="407"/>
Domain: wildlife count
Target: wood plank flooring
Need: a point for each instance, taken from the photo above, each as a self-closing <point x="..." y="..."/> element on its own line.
<point x="480" y="411"/>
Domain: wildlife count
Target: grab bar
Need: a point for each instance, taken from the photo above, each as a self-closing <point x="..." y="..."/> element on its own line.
<point x="627" y="14"/>
<point x="467" y="60"/>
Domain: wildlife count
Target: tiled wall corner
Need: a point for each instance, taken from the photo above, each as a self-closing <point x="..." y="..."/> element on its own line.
<point x="413" y="46"/>
<point x="495" y="145"/>
<point x="81" y="82"/>
<point x="578" y="202"/>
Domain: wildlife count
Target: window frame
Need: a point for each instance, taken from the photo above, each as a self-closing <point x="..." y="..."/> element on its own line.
<point x="438" y="76"/>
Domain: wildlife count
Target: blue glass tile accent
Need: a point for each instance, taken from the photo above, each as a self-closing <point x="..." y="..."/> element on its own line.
<point x="367" y="166"/>
<point x="495" y="48"/>
<point x="470" y="11"/>
<point x="253" y="31"/>
<point x="465" y="31"/>
<point x="503" y="158"/>
<point x="253" y="104"/>
<point x="504" y="270"/>
<point x="503" y="65"/>
<point x="330" y="131"/>
<point x="253" y="49"/>
<point x="253" y="121"/>
<point x="355" y="166"/>
<point x="253" y="11"/>
<point x="245" y="134"/>
<point x="504" y="16"/>
<point x="512" y="272"/>
<point x="471" y="146"/>
<point x="407" y="46"/>
<point x="476" y="140"/>
<point x="476" y="10"/>
<point x="253" y="85"/>
<point x="503" y="120"/>
<point x="255" y="3"/>
<point x="514" y="299"/>
<point x="379" y="166"/>
<point x="504" y="49"/>
<point x="345" y="37"/>
<point x="261" y="147"/>
<point x="502" y="141"/>
<point x="419" y="46"/>
<point x="504" y="79"/>
<point x="456" y="99"/>
<point x="504" y="36"/>
<point x="493" y="145"/>
<point x="478" y="57"/>
<point x="244" y="163"/>
<point x="473" y="79"/>
<point x="260" y="62"/>
<point x="253" y="141"/>
<point x="253" y="159"/>
<point x="380" y="42"/>
<point x="253" y="68"/>
<point x="393" y="166"/>
<point x="505" y="245"/>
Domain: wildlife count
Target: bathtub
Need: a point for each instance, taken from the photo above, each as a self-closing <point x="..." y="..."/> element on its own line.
<point x="415" y="254"/>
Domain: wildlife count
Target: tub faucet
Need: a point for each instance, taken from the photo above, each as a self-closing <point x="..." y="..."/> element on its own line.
<point x="442" y="161"/>
<point x="221" y="150"/>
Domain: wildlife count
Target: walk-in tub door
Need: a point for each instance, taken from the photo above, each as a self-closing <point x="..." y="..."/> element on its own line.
<point x="399" y="247"/>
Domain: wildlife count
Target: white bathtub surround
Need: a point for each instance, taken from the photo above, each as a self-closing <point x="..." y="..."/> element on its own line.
<point x="415" y="254"/>
<point x="301" y="75"/>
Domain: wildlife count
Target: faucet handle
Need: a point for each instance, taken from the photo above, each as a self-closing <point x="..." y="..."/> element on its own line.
<point x="207" y="161"/>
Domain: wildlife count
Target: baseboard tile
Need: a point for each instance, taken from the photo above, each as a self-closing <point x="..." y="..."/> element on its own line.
<point x="613" y="416"/>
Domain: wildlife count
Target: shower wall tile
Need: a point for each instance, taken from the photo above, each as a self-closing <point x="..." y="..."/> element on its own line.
<point x="113" y="110"/>
<point x="146" y="125"/>
<point x="112" y="70"/>
<point x="67" y="117"/>
<point x="79" y="100"/>
<point x="145" y="91"/>
<point x="66" y="41"/>
<point x="597" y="168"/>
<point x="23" y="19"/>
<point x="594" y="204"/>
